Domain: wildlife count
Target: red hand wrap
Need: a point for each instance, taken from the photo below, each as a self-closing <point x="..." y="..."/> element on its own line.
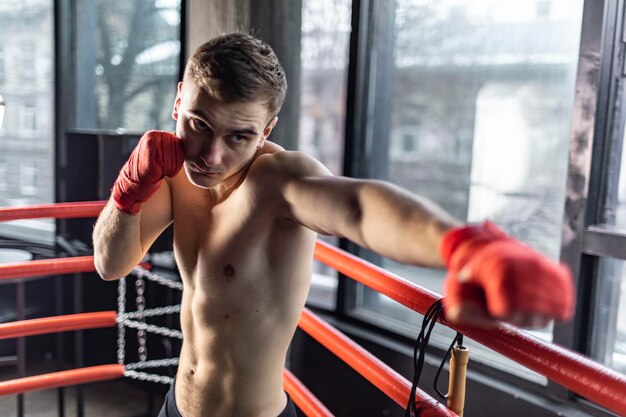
<point x="158" y="154"/>
<point x="499" y="273"/>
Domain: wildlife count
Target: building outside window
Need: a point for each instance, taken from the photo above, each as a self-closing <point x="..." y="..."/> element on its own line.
<point x="128" y="67"/>
<point x="27" y="59"/>
<point x="491" y="89"/>
<point x="28" y="179"/>
<point x="28" y="119"/>
<point x="608" y="344"/>
<point x="126" y="74"/>
<point x="405" y="144"/>
<point x="27" y="134"/>
<point x="325" y="53"/>
<point x="324" y="72"/>
<point x="4" y="184"/>
<point x="2" y="70"/>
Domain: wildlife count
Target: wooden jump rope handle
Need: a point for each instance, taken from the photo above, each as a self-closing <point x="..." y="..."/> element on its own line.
<point x="456" y="385"/>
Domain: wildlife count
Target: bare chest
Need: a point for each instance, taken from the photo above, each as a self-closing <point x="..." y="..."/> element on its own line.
<point x="218" y="240"/>
<point x="240" y="246"/>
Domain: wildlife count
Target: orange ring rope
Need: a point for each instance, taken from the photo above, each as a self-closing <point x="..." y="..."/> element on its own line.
<point x="45" y="267"/>
<point x="56" y="324"/>
<point x="373" y="276"/>
<point x="371" y="368"/>
<point x="62" y="379"/>
<point x="303" y="398"/>
<point x="58" y="211"/>
<point x="574" y="371"/>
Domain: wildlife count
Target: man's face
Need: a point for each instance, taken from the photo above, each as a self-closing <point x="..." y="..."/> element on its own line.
<point x="219" y="139"/>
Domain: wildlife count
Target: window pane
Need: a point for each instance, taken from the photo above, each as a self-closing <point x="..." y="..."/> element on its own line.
<point x="480" y="119"/>
<point x="618" y="207"/>
<point x="128" y="67"/>
<point x="27" y="132"/>
<point x="325" y="50"/>
<point x="609" y="338"/>
<point x="324" y="60"/>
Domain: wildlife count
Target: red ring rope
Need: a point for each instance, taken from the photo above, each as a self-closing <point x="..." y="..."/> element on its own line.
<point x="303" y="398"/>
<point x="58" y="211"/>
<point x="373" y="369"/>
<point x="44" y="267"/>
<point x="595" y="382"/>
<point x="574" y="371"/>
<point x="62" y="379"/>
<point x="58" y="324"/>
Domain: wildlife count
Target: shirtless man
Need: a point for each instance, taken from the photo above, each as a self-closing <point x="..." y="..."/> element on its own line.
<point x="246" y="213"/>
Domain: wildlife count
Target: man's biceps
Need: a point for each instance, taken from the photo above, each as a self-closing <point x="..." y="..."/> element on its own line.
<point x="151" y="228"/>
<point x="155" y="219"/>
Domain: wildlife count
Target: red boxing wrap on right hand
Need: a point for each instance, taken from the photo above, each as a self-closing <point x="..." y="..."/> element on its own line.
<point x="503" y="276"/>
<point x="158" y="154"/>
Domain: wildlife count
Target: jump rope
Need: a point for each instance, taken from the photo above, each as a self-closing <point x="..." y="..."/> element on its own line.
<point x="434" y="312"/>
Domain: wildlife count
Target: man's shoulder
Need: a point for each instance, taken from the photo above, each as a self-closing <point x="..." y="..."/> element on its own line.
<point x="287" y="164"/>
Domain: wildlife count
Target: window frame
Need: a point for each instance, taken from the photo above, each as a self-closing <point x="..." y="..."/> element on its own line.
<point x="29" y="125"/>
<point x="69" y="106"/>
<point x="592" y="172"/>
<point x="592" y="128"/>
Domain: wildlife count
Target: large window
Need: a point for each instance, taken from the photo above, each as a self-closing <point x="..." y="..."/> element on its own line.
<point x="608" y="334"/>
<point x="480" y="117"/>
<point x="128" y="67"/>
<point x="324" y="61"/>
<point x="609" y="328"/>
<point x="27" y="134"/>
<point x="325" y="49"/>
<point x="2" y="74"/>
<point x="126" y="57"/>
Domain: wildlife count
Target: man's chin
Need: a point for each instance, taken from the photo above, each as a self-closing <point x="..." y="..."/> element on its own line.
<point x="201" y="185"/>
<point x="203" y="182"/>
<point x="200" y="180"/>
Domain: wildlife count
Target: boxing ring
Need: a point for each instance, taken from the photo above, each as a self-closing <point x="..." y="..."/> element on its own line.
<point x="573" y="371"/>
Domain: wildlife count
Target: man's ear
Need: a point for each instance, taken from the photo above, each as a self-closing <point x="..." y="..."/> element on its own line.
<point x="267" y="131"/>
<point x="177" y="101"/>
<point x="269" y="127"/>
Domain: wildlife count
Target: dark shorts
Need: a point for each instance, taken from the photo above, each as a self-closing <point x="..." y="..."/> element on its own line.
<point x="170" y="409"/>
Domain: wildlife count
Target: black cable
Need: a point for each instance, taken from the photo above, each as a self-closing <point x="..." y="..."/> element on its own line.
<point x="457" y="341"/>
<point x="431" y="317"/>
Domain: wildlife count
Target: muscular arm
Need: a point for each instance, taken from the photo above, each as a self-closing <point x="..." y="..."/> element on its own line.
<point x="121" y="240"/>
<point x="491" y="276"/>
<point x="374" y="214"/>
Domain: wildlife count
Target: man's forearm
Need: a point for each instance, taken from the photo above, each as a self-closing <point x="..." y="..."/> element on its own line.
<point x="402" y="226"/>
<point x="117" y="244"/>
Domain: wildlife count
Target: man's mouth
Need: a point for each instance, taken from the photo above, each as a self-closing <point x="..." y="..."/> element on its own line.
<point x="206" y="171"/>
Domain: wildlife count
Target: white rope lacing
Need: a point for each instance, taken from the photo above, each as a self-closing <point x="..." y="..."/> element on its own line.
<point x="137" y="320"/>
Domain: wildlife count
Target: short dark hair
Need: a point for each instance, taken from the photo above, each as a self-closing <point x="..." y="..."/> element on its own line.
<point x="239" y="67"/>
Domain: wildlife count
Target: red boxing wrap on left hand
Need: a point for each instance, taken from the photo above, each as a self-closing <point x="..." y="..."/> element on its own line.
<point x="157" y="155"/>
<point x="503" y="276"/>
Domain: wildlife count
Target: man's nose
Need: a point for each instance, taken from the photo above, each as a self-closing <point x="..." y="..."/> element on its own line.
<point x="213" y="152"/>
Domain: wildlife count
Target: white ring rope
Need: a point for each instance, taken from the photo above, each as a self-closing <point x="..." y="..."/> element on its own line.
<point x="136" y="320"/>
<point x="121" y="330"/>
<point x="142" y="376"/>
<point x="156" y="363"/>
<point x="151" y="328"/>
<point x="151" y="312"/>
<point x="150" y="276"/>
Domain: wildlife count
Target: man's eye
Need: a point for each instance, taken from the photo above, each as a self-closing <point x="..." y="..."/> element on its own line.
<point x="239" y="138"/>
<point x="199" y="124"/>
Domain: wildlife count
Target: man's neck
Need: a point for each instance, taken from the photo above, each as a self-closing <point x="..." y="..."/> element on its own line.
<point x="223" y="190"/>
